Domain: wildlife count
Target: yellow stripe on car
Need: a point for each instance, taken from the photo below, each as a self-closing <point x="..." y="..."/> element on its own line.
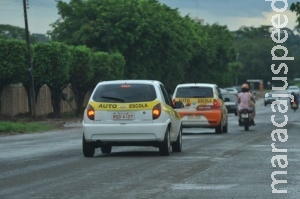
<point x="98" y="106"/>
<point x="194" y="101"/>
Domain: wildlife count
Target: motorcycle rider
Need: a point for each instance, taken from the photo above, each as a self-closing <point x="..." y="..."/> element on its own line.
<point x="296" y="99"/>
<point x="243" y="100"/>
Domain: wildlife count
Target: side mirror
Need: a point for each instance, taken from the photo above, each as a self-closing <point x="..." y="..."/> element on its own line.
<point x="178" y="105"/>
<point x="226" y="99"/>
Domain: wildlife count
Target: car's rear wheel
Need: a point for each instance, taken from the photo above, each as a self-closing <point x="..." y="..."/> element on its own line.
<point x="177" y="145"/>
<point x="106" y="149"/>
<point x="225" y="128"/>
<point x="165" y="146"/>
<point x="219" y="128"/>
<point x="88" y="148"/>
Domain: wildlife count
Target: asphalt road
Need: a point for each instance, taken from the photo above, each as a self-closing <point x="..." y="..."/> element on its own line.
<point x="235" y="165"/>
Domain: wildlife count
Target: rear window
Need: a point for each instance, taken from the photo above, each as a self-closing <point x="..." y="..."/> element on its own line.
<point x="194" y="92"/>
<point x="232" y="98"/>
<point x="125" y="93"/>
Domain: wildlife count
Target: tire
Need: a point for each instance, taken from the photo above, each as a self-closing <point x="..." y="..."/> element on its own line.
<point x="165" y="145"/>
<point x="225" y="128"/>
<point x="88" y="148"/>
<point x="219" y="128"/>
<point x="177" y="145"/>
<point x="106" y="149"/>
<point x="246" y="124"/>
<point x="246" y="127"/>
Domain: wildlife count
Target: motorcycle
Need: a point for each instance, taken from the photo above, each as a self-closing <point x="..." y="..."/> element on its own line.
<point x="294" y="106"/>
<point x="244" y="118"/>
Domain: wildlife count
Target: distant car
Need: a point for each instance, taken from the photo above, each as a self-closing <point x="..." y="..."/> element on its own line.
<point x="238" y="88"/>
<point x="203" y="106"/>
<point x="294" y="89"/>
<point x="269" y="98"/>
<point x="131" y="113"/>
<point x="230" y="103"/>
<point x="223" y="91"/>
<point x="232" y="90"/>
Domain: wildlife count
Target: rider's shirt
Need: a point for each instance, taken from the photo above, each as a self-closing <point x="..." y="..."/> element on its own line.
<point x="244" y="100"/>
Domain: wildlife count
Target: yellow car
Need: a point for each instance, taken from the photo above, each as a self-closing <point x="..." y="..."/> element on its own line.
<point x="204" y="106"/>
<point x="131" y="113"/>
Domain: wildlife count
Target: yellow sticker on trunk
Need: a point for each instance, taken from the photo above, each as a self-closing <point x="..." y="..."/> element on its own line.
<point x="124" y="106"/>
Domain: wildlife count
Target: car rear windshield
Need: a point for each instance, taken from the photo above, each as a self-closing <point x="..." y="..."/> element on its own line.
<point x="125" y="93"/>
<point x="194" y="92"/>
<point x="231" y="98"/>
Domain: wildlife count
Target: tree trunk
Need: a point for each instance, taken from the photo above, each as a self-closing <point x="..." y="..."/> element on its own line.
<point x="56" y="95"/>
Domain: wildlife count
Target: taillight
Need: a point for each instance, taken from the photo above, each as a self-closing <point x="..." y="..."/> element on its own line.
<point x="90" y="112"/>
<point x="156" y="111"/>
<point x="216" y="104"/>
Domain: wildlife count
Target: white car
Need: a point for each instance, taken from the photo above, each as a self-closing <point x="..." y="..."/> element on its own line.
<point x="223" y="91"/>
<point x="294" y="89"/>
<point x="231" y="103"/>
<point x="231" y="90"/>
<point x="131" y="113"/>
<point x="269" y="98"/>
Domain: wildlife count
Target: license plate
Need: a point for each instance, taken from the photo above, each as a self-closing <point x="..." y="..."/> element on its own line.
<point x="244" y="115"/>
<point x="122" y="116"/>
<point x="194" y="116"/>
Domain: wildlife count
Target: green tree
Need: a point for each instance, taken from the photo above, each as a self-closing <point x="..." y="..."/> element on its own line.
<point x="81" y="74"/>
<point x="52" y="67"/>
<point x="215" y="51"/>
<point x="154" y="39"/>
<point x="254" y="46"/>
<point x="13" y="64"/>
<point x="14" y="32"/>
<point x="107" y="66"/>
<point x="295" y="7"/>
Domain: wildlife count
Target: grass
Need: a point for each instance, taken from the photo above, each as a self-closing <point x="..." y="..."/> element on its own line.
<point x="23" y="127"/>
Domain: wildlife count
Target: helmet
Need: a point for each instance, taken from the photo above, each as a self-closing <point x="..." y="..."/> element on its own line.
<point x="245" y="86"/>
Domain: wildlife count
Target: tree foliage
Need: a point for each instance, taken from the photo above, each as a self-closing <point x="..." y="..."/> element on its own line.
<point x="14" y="32"/>
<point x="255" y="45"/>
<point x="107" y="66"/>
<point x="155" y="40"/>
<point x="52" y="67"/>
<point x="81" y="74"/>
<point x="13" y="64"/>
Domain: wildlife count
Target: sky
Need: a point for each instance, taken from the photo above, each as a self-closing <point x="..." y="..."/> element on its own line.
<point x="232" y="13"/>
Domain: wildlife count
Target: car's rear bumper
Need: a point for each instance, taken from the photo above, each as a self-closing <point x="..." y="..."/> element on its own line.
<point x="211" y="118"/>
<point x="124" y="132"/>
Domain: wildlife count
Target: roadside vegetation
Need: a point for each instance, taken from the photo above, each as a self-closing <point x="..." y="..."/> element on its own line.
<point x="25" y="123"/>
<point x="10" y="127"/>
<point x="96" y="40"/>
